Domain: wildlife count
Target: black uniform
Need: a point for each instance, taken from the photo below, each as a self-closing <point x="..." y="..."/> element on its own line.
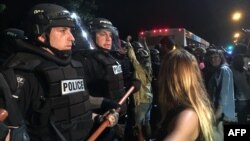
<point x="104" y="75"/>
<point x="104" y="79"/>
<point x="52" y="95"/>
<point x="50" y="89"/>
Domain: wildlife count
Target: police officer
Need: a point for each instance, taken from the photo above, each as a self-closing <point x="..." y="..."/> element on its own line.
<point x="104" y="72"/>
<point x="51" y="91"/>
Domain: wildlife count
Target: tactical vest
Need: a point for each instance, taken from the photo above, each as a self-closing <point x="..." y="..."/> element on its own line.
<point x="66" y="106"/>
<point x="113" y="75"/>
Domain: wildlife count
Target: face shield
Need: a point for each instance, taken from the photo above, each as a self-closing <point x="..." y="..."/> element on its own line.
<point x="83" y="40"/>
<point x="116" y="45"/>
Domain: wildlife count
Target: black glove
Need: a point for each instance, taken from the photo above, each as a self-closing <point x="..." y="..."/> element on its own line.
<point x="137" y="84"/>
<point x="109" y="104"/>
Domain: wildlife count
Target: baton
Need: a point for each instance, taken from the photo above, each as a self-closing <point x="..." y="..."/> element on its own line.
<point x="106" y="123"/>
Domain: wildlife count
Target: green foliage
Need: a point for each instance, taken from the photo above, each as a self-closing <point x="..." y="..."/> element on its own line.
<point x="2" y="7"/>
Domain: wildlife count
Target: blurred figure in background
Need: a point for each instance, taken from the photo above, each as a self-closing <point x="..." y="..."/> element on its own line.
<point x="241" y="88"/>
<point x="183" y="100"/>
<point x="220" y="86"/>
<point x="166" y="44"/>
<point x="140" y="102"/>
<point x="155" y="59"/>
<point x="199" y="54"/>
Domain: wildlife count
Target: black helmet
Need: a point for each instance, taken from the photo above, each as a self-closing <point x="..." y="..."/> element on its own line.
<point x="101" y="23"/>
<point x="43" y="16"/>
<point x="142" y="54"/>
<point x="137" y="45"/>
<point x="154" y="52"/>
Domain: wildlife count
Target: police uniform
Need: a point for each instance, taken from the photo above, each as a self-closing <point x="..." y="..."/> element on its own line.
<point x="104" y="75"/>
<point x="50" y="89"/>
<point x="52" y="96"/>
<point x="103" y="71"/>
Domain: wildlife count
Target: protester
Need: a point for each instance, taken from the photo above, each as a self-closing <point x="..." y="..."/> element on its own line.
<point x="241" y="89"/>
<point x="165" y="45"/>
<point x="186" y="112"/>
<point x="220" y="86"/>
<point x="140" y="102"/>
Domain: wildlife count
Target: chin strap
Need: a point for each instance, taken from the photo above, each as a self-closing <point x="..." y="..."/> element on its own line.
<point x="63" y="54"/>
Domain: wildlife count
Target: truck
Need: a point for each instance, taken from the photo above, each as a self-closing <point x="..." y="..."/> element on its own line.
<point x="181" y="36"/>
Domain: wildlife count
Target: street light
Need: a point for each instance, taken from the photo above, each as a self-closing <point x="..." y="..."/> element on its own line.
<point x="236" y="16"/>
<point x="236" y="35"/>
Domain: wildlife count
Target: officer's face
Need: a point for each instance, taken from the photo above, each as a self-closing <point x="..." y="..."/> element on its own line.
<point x="61" y="38"/>
<point x="104" y="39"/>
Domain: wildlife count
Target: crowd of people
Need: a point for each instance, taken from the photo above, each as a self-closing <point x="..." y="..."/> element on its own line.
<point x="58" y="85"/>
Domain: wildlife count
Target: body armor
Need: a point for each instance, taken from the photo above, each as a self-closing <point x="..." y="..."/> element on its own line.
<point x="112" y="80"/>
<point x="65" y="103"/>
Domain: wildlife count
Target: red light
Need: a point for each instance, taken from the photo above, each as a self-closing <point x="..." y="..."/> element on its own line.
<point x="166" y="30"/>
<point x="160" y="30"/>
<point x="154" y="31"/>
<point x="142" y="33"/>
<point x="179" y="29"/>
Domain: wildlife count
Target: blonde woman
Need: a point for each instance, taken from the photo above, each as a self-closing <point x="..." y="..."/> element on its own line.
<point x="186" y="112"/>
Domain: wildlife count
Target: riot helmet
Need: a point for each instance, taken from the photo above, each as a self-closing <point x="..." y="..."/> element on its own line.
<point x="142" y="55"/>
<point x="41" y="19"/>
<point x="155" y="55"/>
<point x="98" y="24"/>
<point x="101" y="23"/>
<point x="44" y="16"/>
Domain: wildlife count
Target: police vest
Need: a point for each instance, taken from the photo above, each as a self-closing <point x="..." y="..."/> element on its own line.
<point x="113" y="75"/>
<point x="66" y="106"/>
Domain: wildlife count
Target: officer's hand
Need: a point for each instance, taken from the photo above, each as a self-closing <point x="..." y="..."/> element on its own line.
<point x="3" y="115"/>
<point x="109" y="104"/>
<point x="4" y="132"/>
<point x="112" y="117"/>
<point x="129" y="38"/>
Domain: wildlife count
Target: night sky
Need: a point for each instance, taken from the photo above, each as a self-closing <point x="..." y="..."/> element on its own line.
<point x="209" y="19"/>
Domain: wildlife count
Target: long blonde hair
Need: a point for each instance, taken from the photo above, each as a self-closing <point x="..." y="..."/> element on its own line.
<point x="180" y="82"/>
